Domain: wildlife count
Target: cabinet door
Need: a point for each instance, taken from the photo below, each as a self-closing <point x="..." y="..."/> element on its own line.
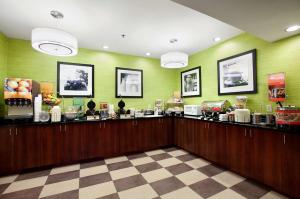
<point x="216" y="151"/>
<point x="267" y="150"/>
<point x="238" y="150"/>
<point x="51" y="139"/>
<point x="129" y="141"/>
<point x="27" y="147"/>
<point x="109" y="140"/>
<point x="91" y="141"/>
<point x="180" y="132"/>
<point x="201" y="138"/>
<point x="189" y="132"/>
<point x="71" y="150"/>
<point x="158" y="132"/>
<point x="6" y="150"/>
<point x="168" y="131"/>
<point x="291" y="169"/>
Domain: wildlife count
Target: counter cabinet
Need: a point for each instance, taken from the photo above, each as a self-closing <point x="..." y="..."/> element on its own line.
<point x="32" y="146"/>
<point x="268" y="156"/>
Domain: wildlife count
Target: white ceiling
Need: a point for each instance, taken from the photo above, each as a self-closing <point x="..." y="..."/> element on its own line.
<point x="266" y="19"/>
<point x="148" y="24"/>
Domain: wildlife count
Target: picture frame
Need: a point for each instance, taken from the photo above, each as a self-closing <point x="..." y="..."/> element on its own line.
<point x="75" y="80"/>
<point x="129" y="83"/>
<point x="191" y="82"/>
<point x="237" y="74"/>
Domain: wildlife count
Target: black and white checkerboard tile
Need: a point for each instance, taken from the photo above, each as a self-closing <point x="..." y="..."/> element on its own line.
<point x="166" y="173"/>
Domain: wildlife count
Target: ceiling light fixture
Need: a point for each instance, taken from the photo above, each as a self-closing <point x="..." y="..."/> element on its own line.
<point x="53" y="41"/>
<point x="216" y="39"/>
<point x="292" y="28"/>
<point x="148" y="54"/>
<point x="105" y="47"/>
<point x="174" y="60"/>
<point x="174" y="40"/>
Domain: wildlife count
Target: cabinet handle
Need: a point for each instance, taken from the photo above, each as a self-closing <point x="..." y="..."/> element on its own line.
<point x="100" y="125"/>
<point x="245" y="132"/>
<point x="10" y="132"/>
<point x="16" y="131"/>
<point x="284" y="139"/>
<point x="250" y="132"/>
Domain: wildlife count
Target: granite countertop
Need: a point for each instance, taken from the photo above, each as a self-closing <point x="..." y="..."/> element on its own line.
<point x="268" y="127"/>
<point x="29" y="121"/>
<point x="6" y="122"/>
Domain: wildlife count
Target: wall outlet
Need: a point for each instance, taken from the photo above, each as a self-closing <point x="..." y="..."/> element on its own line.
<point x="269" y="108"/>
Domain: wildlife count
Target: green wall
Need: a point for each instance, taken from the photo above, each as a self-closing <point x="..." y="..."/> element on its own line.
<point x="280" y="56"/>
<point x="18" y="59"/>
<point x="3" y="68"/>
<point x="159" y="83"/>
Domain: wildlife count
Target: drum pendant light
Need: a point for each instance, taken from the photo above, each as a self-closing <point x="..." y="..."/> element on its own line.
<point x="53" y="41"/>
<point x="174" y="60"/>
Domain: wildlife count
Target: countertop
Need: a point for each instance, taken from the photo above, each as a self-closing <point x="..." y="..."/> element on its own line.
<point x="273" y="127"/>
<point x="7" y="122"/>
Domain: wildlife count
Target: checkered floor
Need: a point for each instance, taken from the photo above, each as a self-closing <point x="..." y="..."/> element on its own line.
<point x="166" y="173"/>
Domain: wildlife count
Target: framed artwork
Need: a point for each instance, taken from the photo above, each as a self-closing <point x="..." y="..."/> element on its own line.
<point x="191" y="82"/>
<point x="129" y="83"/>
<point x="237" y="74"/>
<point x="75" y="80"/>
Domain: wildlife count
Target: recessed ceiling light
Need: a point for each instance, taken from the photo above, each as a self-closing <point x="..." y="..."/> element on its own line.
<point x="216" y="39"/>
<point x="292" y="28"/>
<point x="105" y="47"/>
<point x="148" y="54"/>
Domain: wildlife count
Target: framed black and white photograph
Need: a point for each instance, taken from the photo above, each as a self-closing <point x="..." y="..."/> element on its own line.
<point x="129" y="83"/>
<point x="237" y="74"/>
<point x="191" y="82"/>
<point x="75" y="80"/>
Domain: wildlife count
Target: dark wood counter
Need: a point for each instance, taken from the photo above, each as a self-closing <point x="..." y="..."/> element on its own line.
<point x="266" y="154"/>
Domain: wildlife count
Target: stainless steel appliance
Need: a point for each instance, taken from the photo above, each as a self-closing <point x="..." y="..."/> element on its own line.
<point x="192" y="110"/>
<point x="212" y="109"/>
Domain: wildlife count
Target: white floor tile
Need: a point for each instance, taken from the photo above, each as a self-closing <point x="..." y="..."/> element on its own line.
<point x="8" y="179"/>
<point x="156" y="175"/>
<point x="191" y="177"/>
<point x="155" y="152"/>
<point x="116" y="159"/>
<point x="26" y="184"/>
<point x="93" y="170"/>
<point x="273" y="195"/>
<point x="123" y="173"/>
<point x="197" y="163"/>
<point x="60" y="187"/>
<point x="97" y="191"/>
<point x="64" y="169"/>
<point x="140" y="161"/>
<point x="141" y="192"/>
<point x="185" y="192"/>
<point x="227" y="193"/>
<point x="228" y="178"/>
<point x="169" y="162"/>
<point x="177" y="153"/>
